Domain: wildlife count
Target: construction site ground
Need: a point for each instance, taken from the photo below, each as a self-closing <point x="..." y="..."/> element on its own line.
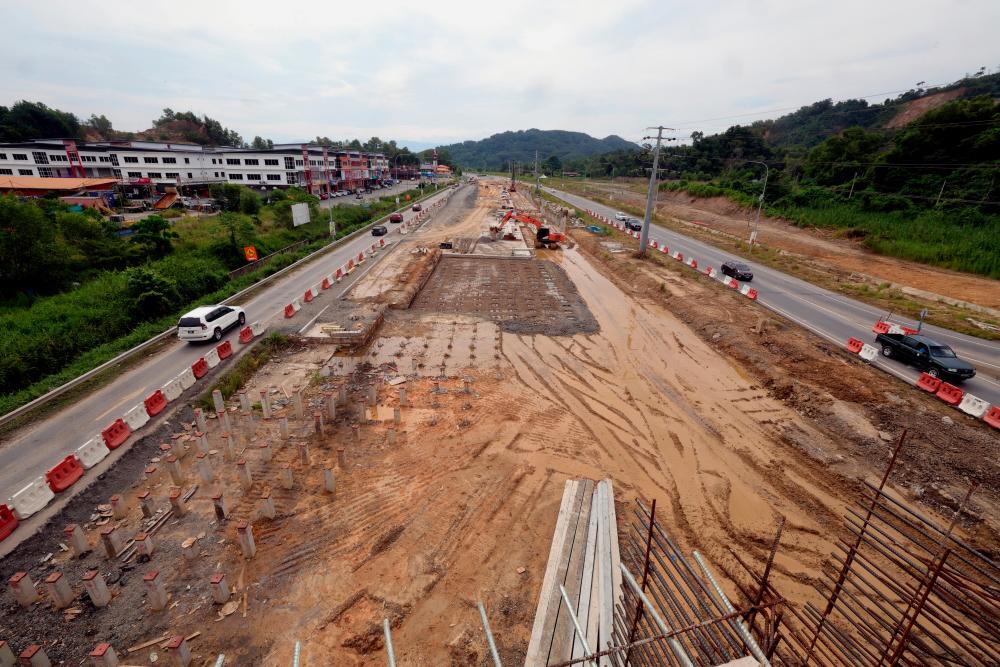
<point x="677" y="390"/>
<point x="822" y="250"/>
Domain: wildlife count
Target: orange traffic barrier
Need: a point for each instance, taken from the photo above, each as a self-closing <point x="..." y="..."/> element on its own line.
<point x="199" y="368"/>
<point x="928" y="382"/>
<point x="340" y="274"/>
<point x="732" y="283"/>
<point x="289" y="310"/>
<point x="350" y="264"/>
<point x="307" y="296"/>
<point x="992" y="416"/>
<point x="8" y="522"/>
<point x="752" y="293"/>
<point x="115" y="434"/>
<point x="694" y="264"/>
<point x="225" y="350"/>
<point x="854" y="345"/>
<point x="381" y="243"/>
<point x="155" y="403"/>
<point x="880" y="328"/>
<point x="950" y="394"/>
<point x="679" y="257"/>
<point x="708" y="270"/>
<point x="246" y="334"/>
<point x="65" y="474"/>
<point x="909" y="332"/>
<point x="361" y="257"/>
<point x="325" y="284"/>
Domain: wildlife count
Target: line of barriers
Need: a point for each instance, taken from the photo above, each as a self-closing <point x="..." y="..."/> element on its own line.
<point x="34" y="496"/>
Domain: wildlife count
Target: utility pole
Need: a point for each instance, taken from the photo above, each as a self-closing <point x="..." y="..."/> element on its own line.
<point x="940" y="192"/>
<point x="537" y="191"/>
<point x="853" y="180"/>
<point x="760" y="203"/>
<point x="644" y="236"/>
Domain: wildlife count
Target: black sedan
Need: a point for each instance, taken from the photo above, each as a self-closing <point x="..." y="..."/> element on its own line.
<point x="737" y="270"/>
<point x="379" y="230"/>
<point x="927" y="355"/>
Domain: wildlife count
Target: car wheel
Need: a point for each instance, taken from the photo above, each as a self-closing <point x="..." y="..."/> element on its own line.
<point x="933" y="372"/>
<point x="218" y="334"/>
<point x="886" y="351"/>
<point x="243" y="319"/>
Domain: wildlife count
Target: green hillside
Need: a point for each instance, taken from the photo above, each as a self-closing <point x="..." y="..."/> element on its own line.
<point x="497" y="151"/>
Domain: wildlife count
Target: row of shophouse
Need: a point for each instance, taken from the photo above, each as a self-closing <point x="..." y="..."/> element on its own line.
<point x="192" y="168"/>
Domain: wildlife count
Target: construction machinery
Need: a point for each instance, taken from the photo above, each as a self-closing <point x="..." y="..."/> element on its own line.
<point x="544" y="236"/>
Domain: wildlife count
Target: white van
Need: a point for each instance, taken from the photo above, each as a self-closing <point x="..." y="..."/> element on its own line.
<point x="209" y="322"/>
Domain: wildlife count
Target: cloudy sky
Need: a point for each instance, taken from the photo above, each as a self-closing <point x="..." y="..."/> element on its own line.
<point x="443" y="71"/>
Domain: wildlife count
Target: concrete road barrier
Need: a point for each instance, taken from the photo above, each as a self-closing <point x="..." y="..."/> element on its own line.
<point x="91" y="452"/>
<point x="31" y="498"/>
<point x="137" y="417"/>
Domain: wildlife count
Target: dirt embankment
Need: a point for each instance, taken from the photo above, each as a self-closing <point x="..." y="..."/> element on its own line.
<point x="861" y="409"/>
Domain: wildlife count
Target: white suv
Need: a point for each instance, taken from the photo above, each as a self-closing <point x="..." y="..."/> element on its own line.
<point x="621" y="216"/>
<point x="209" y="322"/>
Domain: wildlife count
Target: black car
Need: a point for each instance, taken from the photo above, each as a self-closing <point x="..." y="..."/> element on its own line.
<point x="379" y="230"/>
<point x="927" y="355"/>
<point x="634" y="225"/>
<point x="737" y="270"/>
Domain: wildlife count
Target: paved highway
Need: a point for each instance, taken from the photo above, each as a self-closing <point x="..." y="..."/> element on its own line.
<point x="30" y="451"/>
<point x="831" y="315"/>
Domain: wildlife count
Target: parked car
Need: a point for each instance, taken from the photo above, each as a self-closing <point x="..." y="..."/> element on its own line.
<point x="621" y="217"/>
<point x="633" y="224"/>
<point x="324" y="196"/>
<point x="928" y="355"/>
<point x="417" y="207"/>
<point x="396" y="217"/>
<point x="379" y="230"/>
<point x="737" y="270"/>
<point x="209" y="322"/>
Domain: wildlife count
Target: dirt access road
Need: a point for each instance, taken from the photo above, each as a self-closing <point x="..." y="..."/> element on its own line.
<point x="458" y="501"/>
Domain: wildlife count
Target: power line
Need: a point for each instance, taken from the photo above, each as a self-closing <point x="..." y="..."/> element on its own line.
<point x="852" y="163"/>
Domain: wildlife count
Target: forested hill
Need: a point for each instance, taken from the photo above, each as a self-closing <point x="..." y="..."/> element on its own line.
<point x="496" y="151"/>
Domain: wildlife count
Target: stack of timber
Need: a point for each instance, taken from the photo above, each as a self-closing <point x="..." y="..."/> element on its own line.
<point x="584" y="560"/>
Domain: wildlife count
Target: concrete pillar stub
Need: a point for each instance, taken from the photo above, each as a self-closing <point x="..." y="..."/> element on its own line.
<point x="341" y="458"/>
<point x="199" y="420"/>
<point x="179" y="651"/>
<point x="391" y="436"/>
<point x="329" y="480"/>
<point x="217" y="402"/>
<point x="77" y="539"/>
<point x="177" y="503"/>
<point x="146" y="503"/>
<point x="111" y="538"/>
<point x="267" y="510"/>
<point x="342" y="398"/>
<point x="34" y="656"/>
<point x="297" y="402"/>
<point x="104" y="655"/>
<point x="144" y="544"/>
<point x="202" y="441"/>
<point x="220" y="588"/>
<point x="397" y="415"/>
<point x="97" y="588"/>
<point x="266" y="453"/>
<point x="265" y="403"/>
<point x="303" y="448"/>
<point x="243" y="471"/>
<point x="24" y="589"/>
<point x="244" y="401"/>
<point x="174" y="468"/>
<point x="331" y="407"/>
<point x="221" y="504"/>
<point x="59" y="590"/>
<point x="372" y="395"/>
<point x="117" y="508"/>
<point x="7" y="658"/>
<point x="205" y="471"/>
<point x="245" y="531"/>
<point x="402" y="396"/>
<point x="156" y="594"/>
<point x="286" y="476"/>
<point x="283" y="428"/>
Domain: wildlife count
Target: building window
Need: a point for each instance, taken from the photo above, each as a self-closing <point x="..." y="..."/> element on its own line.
<point x="114" y="159"/>
<point x="253" y="177"/>
<point x="271" y="163"/>
<point x="292" y="177"/>
<point x="154" y="174"/>
<point x="105" y="158"/>
<point x="236" y="177"/>
<point x="232" y="160"/>
<point x="3" y="156"/>
<point x="216" y="174"/>
<point x="187" y="160"/>
<point x="169" y="160"/>
<point x="20" y="156"/>
<point x="190" y="175"/>
<point x="222" y="173"/>
<point x="39" y="157"/>
<point x="151" y="160"/>
<point x="135" y="174"/>
<point x="289" y="163"/>
<point x="6" y="172"/>
<point x="298" y="163"/>
<point x="25" y="172"/>
<point x="251" y="161"/>
<point x="88" y="158"/>
<point x="57" y="158"/>
<point x="131" y="159"/>
<point x="45" y="172"/>
<point x="173" y="174"/>
<point x="274" y="177"/>
<point x="117" y="173"/>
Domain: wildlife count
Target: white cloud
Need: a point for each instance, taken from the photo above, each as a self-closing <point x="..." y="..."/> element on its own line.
<point x="454" y="70"/>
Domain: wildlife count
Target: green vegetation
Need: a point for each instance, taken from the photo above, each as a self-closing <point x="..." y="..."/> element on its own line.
<point x="497" y="151"/>
<point x="234" y="379"/>
<point x="74" y="299"/>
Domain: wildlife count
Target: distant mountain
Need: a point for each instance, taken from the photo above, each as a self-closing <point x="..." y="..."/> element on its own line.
<point x="497" y="151"/>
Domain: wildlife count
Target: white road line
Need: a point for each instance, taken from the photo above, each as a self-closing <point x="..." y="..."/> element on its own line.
<point x="315" y="317"/>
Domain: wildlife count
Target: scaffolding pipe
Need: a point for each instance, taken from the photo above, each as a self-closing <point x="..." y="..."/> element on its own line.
<point x="675" y="645"/>
<point x="388" y="643"/>
<point x="576" y="623"/>
<point x="489" y="636"/>
<point x="739" y="624"/>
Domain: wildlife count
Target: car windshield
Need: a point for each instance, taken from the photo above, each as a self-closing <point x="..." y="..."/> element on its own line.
<point x="189" y="322"/>
<point x="942" y="351"/>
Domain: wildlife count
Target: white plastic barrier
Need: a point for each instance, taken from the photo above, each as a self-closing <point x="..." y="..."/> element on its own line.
<point x="868" y="352"/>
<point x="296" y="305"/>
<point x="971" y="405"/>
<point x="173" y="389"/>
<point x="31" y="498"/>
<point x="745" y="289"/>
<point x="315" y="289"/>
<point x="137" y="417"/>
<point x="712" y="273"/>
<point x="690" y="261"/>
<point x="187" y="378"/>
<point x="92" y="452"/>
<point x="896" y="329"/>
<point x="212" y="358"/>
<point x="676" y="254"/>
<point x="258" y="328"/>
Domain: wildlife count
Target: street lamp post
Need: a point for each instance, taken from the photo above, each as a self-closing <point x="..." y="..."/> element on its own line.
<point x="760" y="203"/>
<point x="651" y="192"/>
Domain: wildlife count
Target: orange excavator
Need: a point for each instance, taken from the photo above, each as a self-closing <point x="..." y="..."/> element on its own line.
<point x="544" y="237"/>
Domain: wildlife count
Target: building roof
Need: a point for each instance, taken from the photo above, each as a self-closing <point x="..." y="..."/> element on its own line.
<point x="36" y="183"/>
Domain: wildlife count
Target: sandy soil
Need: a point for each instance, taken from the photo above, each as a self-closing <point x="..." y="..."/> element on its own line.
<point x="822" y="247"/>
<point x="457" y="503"/>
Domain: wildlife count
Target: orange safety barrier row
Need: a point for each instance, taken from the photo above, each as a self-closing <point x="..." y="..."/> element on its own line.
<point x="854" y="345"/>
<point x="246" y="335"/>
<point x="325" y="284"/>
<point x="992" y="416"/>
<point x="752" y="294"/>
<point x="8" y="522"/>
<point x="307" y="296"/>
<point x="289" y="310"/>
<point x="880" y="328"/>
<point x="694" y="264"/>
<point x="225" y="350"/>
<point x="155" y="403"/>
<point x="950" y="394"/>
<point x="116" y="433"/>
<point x="199" y="368"/>
<point x="928" y="382"/>
<point x="361" y="257"/>
<point x="64" y="474"/>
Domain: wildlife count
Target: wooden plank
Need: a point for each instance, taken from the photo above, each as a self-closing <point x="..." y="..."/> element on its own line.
<point x="605" y="591"/>
<point x="535" y="656"/>
<point x="563" y="632"/>
<point x="588" y="601"/>
<point x="616" y="572"/>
